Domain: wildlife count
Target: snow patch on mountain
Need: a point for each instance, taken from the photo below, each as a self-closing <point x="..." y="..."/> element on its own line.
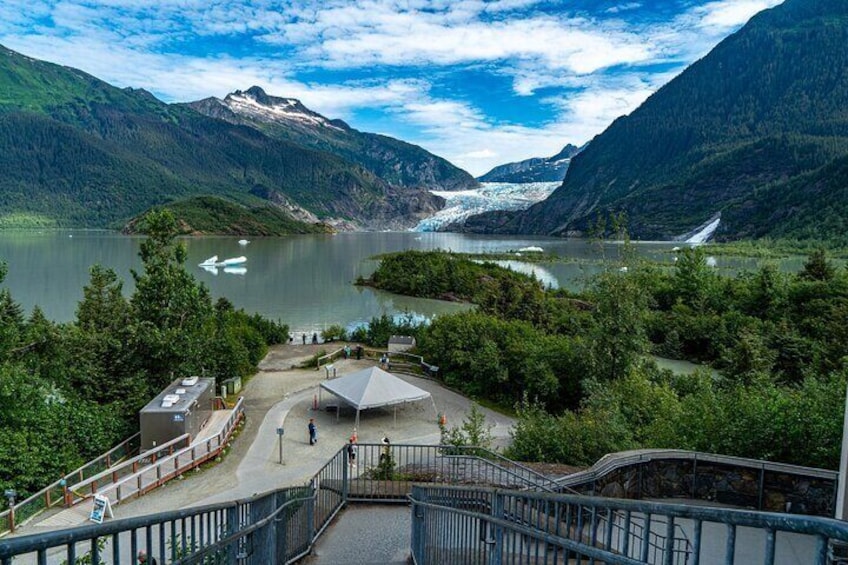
<point x="282" y="109"/>
<point x="489" y="197"/>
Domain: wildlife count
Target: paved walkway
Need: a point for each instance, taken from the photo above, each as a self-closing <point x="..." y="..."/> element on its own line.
<point x="365" y="534"/>
<point x="282" y="393"/>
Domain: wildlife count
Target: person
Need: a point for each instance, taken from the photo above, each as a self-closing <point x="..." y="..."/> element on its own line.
<point x="387" y="449"/>
<point x="347" y="351"/>
<point x="304" y="338"/>
<point x="359" y="352"/>
<point x="351" y="452"/>
<point x="314" y="337"/>
<point x="143" y="558"/>
<point x="313" y="432"/>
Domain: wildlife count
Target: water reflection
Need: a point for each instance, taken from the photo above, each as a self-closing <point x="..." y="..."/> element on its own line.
<point x="303" y="280"/>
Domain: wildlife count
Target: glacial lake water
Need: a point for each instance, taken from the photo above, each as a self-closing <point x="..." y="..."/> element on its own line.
<point x="305" y="281"/>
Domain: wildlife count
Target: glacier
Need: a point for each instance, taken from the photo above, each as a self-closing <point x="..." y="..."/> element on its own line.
<point x="491" y="196"/>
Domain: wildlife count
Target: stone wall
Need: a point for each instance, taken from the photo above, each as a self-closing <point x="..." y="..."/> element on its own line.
<point x="723" y="483"/>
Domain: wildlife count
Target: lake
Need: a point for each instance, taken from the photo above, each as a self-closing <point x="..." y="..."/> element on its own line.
<point x="304" y="281"/>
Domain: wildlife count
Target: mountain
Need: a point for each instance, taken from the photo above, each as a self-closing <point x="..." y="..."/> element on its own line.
<point x="757" y="131"/>
<point x="76" y="151"/>
<point x="536" y="169"/>
<point x="396" y="162"/>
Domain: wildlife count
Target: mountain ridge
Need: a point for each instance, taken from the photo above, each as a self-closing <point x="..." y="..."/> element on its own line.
<point x="82" y="153"/>
<point x="535" y="169"/>
<point x="736" y="133"/>
<point x="396" y="162"/>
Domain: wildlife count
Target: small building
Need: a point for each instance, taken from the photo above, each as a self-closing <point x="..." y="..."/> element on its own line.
<point x="184" y="407"/>
<point x="399" y="343"/>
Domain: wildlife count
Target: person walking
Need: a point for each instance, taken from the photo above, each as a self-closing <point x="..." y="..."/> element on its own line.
<point x="313" y="431"/>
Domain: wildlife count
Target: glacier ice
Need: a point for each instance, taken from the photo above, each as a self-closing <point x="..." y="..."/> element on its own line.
<point x="489" y="197"/>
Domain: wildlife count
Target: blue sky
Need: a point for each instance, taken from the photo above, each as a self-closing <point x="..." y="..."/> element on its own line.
<point x="478" y="82"/>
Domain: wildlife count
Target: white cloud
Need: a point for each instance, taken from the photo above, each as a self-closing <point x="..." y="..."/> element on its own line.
<point x="727" y="14"/>
<point x="601" y="64"/>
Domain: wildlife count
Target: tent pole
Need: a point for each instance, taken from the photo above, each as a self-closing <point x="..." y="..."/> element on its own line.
<point x="395" y="415"/>
<point x="435" y="411"/>
<point x="357" y="418"/>
<point x="338" y="409"/>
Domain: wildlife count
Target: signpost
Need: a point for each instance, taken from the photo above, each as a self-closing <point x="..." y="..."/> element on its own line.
<point x="280" y="432"/>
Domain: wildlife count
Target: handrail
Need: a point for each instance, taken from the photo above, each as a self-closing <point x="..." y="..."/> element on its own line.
<point x="199" y="556"/>
<point x="614" y="461"/>
<point x="59" y="487"/>
<point x="195" y="460"/>
<point x="508" y="471"/>
<point x="75" y="489"/>
<point x="254" y="523"/>
<point x="564" y="514"/>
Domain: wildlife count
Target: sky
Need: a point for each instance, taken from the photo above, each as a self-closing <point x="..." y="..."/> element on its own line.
<point x="480" y="83"/>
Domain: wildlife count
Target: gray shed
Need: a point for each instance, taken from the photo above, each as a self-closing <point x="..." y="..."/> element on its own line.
<point x="400" y="343"/>
<point x="183" y="407"/>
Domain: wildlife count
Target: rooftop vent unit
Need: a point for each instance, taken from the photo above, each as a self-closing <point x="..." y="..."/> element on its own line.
<point x="166" y="404"/>
<point x="172" y="398"/>
<point x="180" y="391"/>
<point x="190" y="381"/>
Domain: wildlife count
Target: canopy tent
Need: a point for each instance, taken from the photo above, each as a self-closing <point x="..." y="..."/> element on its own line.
<point x="372" y="388"/>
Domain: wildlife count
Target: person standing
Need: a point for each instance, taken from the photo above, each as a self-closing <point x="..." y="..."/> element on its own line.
<point x="351" y="452"/>
<point x="313" y="431"/>
<point x="143" y="558"/>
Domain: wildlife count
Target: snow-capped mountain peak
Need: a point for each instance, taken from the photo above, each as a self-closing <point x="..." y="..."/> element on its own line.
<point x="254" y="102"/>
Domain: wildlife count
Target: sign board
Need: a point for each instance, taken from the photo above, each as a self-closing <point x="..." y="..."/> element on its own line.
<point x="100" y="509"/>
<point x="280" y="431"/>
<point x="179" y="418"/>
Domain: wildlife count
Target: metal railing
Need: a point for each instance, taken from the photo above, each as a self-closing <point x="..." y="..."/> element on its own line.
<point x="280" y="526"/>
<point x="482" y="525"/>
<point x="450" y="524"/>
<point x="59" y="492"/>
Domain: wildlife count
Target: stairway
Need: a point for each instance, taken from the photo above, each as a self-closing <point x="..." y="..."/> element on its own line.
<point x="365" y="534"/>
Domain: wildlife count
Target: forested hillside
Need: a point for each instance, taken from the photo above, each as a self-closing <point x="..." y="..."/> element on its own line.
<point x="756" y="130"/>
<point x="76" y="151"/>
<point x="578" y="367"/>
<point x="394" y="161"/>
<point x="71" y="391"/>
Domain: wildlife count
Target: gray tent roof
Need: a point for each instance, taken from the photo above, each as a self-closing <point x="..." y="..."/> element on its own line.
<point x="373" y="387"/>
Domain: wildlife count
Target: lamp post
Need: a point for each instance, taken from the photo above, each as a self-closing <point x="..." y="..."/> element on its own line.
<point x="280" y="433"/>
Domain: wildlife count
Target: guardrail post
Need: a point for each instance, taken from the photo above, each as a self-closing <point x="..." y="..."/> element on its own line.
<point x="12" y="518"/>
<point x="310" y="517"/>
<point x="232" y="528"/>
<point x="419" y="522"/>
<point x="496" y="555"/>
<point x="345" y="479"/>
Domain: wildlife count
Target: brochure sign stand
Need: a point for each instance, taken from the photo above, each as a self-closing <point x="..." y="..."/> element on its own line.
<point x="100" y="509"/>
